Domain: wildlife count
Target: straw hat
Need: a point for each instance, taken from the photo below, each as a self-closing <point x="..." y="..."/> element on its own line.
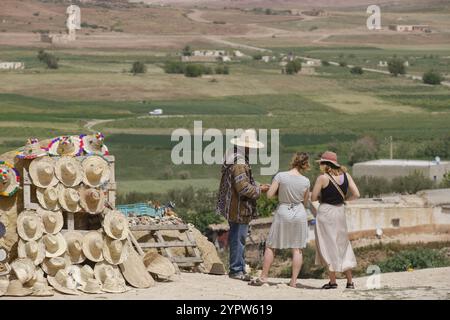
<point x="42" y="172"/>
<point x="42" y="289"/>
<point x="115" y="251"/>
<point x="96" y="171"/>
<point x="69" y="198"/>
<point x="92" y="286"/>
<point x="63" y="283"/>
<point x="330" y="157"/>
<point x="65" y="146"/>
<point x="9" y="179"/>
<point x="92" y="200"/>
<point x="93" y="246"/>
<point x="68" y="171"/>
<point x="115" y="225"/>
<point x="34" y="250"/>
<point x="48" y="197"/>
<point x="158" y="265"/>
<point x="52" y="220"/>
<point x="86" y="273"/>
<point x="94" y="144"/>
<point x="31" y="150"/>
<point x="113" y="285"/>
<point x="74" y="271"/>
<point x="24" y="269"/>
<point x="103" y="270"/>
<point x="74" y="251"/>
<point x="4" y="284"/>
<point x="52" y="265"/>
<point x="29" y="225"/>
<point x="55" y="245"/>
<point x="16" y="289"/>
<point x="37" y="277"/>
<point x="248" y="139"/>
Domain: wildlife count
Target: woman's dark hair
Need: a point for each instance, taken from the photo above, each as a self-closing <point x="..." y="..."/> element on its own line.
<point x="300" y="161"/>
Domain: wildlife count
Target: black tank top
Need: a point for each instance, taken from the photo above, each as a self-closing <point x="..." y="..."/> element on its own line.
<point x="331" y="195"/>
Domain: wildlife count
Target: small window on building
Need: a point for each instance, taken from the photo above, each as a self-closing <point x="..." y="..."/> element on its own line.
<point x="395" y="223"/>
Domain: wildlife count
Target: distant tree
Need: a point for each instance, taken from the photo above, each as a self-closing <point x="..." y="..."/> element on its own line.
<point x="138" y="67"/>
<point x="396" y="66"/>
<point x="268" y="11"/>
<point x="174" y="67"/>
<point x="293" y="67"/>
<point x="193" y="70"/>
<point x="187" y="51"/>
<point x="222" y="69"/>
<point x="412" y="183"/>
<point x="432" y="77"/>
<point x="325" y="63"/>
<point x="49" y="59"/>
<point x="356" y="70"/>
<point x="365" y="148"/>
<point x="257" y="56"/>
<point x="438" y="147"/>
<point x="342" y="64"/>
<point x="370" y="186"/>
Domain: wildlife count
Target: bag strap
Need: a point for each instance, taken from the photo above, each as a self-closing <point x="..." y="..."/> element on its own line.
<point x="336" y="186"/>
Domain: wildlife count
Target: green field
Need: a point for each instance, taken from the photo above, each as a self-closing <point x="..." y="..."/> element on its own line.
<point x="330" y="109"/>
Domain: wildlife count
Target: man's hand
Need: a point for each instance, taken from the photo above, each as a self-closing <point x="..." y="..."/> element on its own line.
<point x="265" y="188"/>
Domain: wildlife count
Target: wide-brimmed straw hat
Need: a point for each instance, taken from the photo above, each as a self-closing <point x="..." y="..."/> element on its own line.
<point x="68" y="171"/>
<point x="9" y="179"/>
<point x="330" y="157"/>
<point x="93" y="246"/>
<point x="42" y="289"/>
<point x="48" y="198"/>
<point x="24" y="269"/>
<point x="96" y="171"/>
<point x="115" y="225"/>
<point x="92" y="200"/>
<point x="31" y="150"/>
<point x="52" y="265"/>
<point x="94" y="144"/>
<point x="55" y="245"/>
<point x="86" y="273"/>
<point x="159" y="265"/>
<point x="63" y="282"/>
<point x="92" y="286"/>
<point x="33" y="250"/>
<point x="29" y="225"/>
<point x="104" y="269"/>
<point x="16" y="289"/>
<point x="248" y="139"/>
<point x="42" y="172"/>
<point x="65" y="146"/>
<point x="69" y="199"/>
<point x="74" y="251"/>
<point x="51" y="220"/>
<point x="114" y="285"/>
<point x="115" y="251"/>
<point x="74" y="271"/>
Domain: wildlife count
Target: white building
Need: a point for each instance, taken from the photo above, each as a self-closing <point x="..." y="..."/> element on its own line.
<point x="12" y="66"/>
<point x="435" y="170"/>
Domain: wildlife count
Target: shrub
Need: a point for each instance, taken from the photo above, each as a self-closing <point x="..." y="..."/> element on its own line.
<point x="174" y="67"/>
<point x="222" y="69"/>
<point x="438" y="147"/>
<point x="371" y="187"/>
<point x="432" y="77"/>
<point x="184" y="175"/>
<point x="257" y="56"/>
<point x="365" y="148"/>
<point x="193" y="70"/>
<point x="219" y="22"/>
<point x="342" y="64"/>
<point x="412" y="183"/>
<point x="356" y="70"/>
<point x="294" y="67"/>
<point x="313" y="28"/>
<point x="50" y="60"/>
<point x="266" y="206"/>
<point x="325" y="63"/>
<point x="138" y="67"/>
<point x="396" y="66"/>
<point x="419" y="258"/>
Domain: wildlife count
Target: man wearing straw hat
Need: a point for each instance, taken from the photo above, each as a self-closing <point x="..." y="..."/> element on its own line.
<point x="238" y="193"/>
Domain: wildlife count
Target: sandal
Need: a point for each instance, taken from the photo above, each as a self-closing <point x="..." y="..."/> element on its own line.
<point x="257" y="282"/>
<point x="350" y="285"/>
<point x="330" y="285"/>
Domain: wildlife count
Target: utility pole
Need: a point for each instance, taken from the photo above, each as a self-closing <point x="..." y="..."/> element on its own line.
<point x="391" y="147"/>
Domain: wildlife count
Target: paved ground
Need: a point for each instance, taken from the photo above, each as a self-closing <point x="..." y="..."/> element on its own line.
<point x="419" y="284"/>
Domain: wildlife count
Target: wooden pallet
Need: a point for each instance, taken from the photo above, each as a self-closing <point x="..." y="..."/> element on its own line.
<point x="164" y="246"/>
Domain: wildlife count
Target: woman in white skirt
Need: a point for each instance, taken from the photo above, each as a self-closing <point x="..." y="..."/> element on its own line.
<point x="289" y="226"/>
<point x="333" y="248"/>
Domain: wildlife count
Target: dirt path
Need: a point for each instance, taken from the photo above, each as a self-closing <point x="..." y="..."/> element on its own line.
<point x="196" y="15"/>
<point x="91" y="123"/>
<point x="419" y="284"/>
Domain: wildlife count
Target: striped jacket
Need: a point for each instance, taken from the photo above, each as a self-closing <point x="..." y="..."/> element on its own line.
<point x="238" y="193"/>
